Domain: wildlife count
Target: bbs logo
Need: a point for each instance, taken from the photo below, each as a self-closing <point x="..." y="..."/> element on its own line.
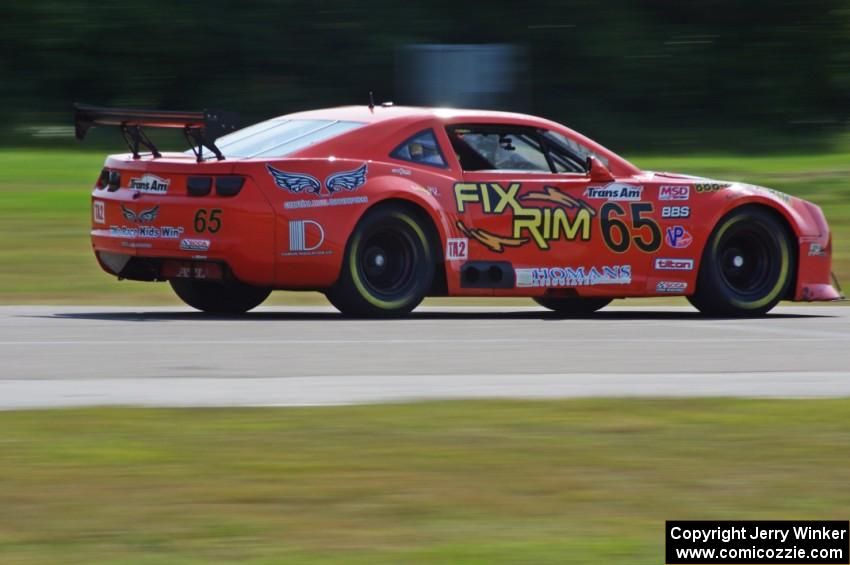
<point x="676" y="212"/>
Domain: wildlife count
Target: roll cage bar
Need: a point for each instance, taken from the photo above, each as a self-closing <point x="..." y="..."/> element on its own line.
<point x="547" y="144"/>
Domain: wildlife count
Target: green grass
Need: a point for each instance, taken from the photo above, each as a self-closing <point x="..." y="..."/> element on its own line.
<point x="588" y="481"/>
<point x="45" y="254"/>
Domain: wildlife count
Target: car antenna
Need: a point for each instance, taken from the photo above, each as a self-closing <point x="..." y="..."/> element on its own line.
<point x="371" y="101"/>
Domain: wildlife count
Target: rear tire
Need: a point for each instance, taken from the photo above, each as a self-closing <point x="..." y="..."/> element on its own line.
<point x="573" y="306"/>
<point x="746" y="266"/>
<point x="231" y="297"/>
<point x="388" y="266"/>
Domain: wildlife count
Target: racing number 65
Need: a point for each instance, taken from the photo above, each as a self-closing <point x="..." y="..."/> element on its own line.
<point x="211" y="223"/>
<point x="610" y="222"/>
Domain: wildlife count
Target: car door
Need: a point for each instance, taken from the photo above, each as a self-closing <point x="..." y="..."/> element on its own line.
<point x="530" y="203"/>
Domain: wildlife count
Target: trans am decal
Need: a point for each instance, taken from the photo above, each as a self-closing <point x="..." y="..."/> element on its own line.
<point x="566" y="218"/>
<point x="143" y="217"/>
<point x="573" y="276"/>
<point x="150" y="183"/>
<point x="302" y="182"/>
<point x="614" y="191"/>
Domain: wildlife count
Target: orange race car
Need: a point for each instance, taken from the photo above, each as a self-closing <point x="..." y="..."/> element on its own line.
<point x="380" y="206"/>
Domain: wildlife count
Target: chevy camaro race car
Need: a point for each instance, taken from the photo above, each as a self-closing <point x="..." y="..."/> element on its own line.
<point x="380" y="206"/>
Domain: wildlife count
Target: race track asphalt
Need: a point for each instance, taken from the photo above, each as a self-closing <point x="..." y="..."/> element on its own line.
<point x="81" y="356"/>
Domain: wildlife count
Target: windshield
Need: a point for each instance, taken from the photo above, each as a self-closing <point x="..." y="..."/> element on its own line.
<point x="574" y="146"/>
<point x="278" y="137"/>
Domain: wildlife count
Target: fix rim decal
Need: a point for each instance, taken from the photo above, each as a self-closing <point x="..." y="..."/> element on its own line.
<point x="567" y="218"/>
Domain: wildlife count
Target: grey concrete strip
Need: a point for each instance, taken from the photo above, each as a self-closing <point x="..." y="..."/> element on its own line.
<point x="72" y="356"/>
<point x="318" y="391"/>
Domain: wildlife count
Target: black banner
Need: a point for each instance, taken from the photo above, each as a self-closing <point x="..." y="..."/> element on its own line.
<point x="767" y="542"/>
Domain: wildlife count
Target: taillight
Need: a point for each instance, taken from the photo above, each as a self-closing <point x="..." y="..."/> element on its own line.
<point x="199" y="186"/>
<point x="224" y="186"/>
<point x="114" y="182"/>
<point x="102" y="180"/>
<point x="228" y="186"/>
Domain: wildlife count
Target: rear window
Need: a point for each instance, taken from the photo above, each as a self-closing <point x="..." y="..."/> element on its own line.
<point x="421" y="148"/>
<point x="279" y="137"/>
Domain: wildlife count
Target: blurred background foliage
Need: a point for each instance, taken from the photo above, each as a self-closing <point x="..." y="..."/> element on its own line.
<point x="639" y="75"/>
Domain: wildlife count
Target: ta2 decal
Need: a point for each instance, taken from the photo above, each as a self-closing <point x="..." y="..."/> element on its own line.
<point x="457" y="249"/>
<point x="99" y="212"/>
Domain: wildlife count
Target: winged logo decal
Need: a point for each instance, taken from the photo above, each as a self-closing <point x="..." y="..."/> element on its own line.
<point x="349" y="180"/>
<point x="129" y="215"/>
<point x="295" y="182"/>
<point x="302" y="182"/>
<point x="142" y="217"/>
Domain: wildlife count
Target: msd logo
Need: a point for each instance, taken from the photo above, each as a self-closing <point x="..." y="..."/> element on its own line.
<point x="674" y="192"/>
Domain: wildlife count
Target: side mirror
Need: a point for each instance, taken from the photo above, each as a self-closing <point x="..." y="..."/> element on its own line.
<point x="597" y="171"/>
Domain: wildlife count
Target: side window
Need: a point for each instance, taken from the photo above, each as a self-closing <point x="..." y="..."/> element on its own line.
<point x="421" y="148"/>
<point x="499" y="148"/>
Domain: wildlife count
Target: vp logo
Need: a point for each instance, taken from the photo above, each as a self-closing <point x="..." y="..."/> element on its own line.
<point x="678" y="237"/>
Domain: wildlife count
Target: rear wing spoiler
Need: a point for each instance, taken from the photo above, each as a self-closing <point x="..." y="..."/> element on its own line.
<point x="200" y="128"/>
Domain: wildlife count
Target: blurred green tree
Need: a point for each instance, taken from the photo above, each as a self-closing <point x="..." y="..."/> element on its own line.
<point x="635" y="73"/>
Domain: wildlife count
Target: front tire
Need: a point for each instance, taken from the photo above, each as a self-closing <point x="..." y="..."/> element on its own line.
<point x="388" y="266"/>
<point x="573" y="306"/>
<point x="231" y="297"/>
<point x="746" y="266"/>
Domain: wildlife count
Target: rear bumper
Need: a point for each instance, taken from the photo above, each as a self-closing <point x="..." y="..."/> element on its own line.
<point x="136" y="232"/>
